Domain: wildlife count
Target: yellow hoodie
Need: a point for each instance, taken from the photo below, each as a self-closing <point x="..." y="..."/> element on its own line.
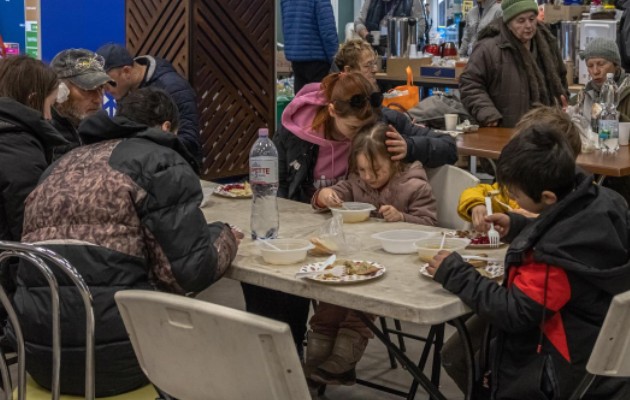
<point x="475" y="195"/>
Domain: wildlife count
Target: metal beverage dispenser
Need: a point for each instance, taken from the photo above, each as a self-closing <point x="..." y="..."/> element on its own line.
<point x="569" y="46"/>
<point x="398" y="36"/>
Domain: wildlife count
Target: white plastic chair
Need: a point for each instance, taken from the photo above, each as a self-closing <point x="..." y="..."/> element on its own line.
<point x="447" y="183"/>
<point x="611" y="354"/>
<point x="195" y="350"/>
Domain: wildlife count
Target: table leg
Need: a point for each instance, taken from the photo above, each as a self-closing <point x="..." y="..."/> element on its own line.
<point x="417" y="374"/>
<point x="600" y="180"/>
<point x="473" y="165"/>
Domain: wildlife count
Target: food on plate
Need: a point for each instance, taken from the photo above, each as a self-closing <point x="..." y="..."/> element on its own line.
<point x="476" y="238"/>
<point x="356" y="267"/>
<point x="238" y="189"/>
<point x="323" y="247"/>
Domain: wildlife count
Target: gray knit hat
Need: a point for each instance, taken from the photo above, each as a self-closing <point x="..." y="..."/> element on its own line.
<point x="512" y="8"/>
<point x="602" y="48"/>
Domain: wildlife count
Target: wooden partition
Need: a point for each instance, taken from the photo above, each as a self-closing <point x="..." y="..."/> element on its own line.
<point x="225" y="48"/>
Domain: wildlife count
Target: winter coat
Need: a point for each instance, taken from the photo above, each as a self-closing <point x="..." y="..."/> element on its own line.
<point x="309" y="30"/>
<point x="25" y="140"/>
<point x="373" y="12"/>
<point x="623" y="36"/>
<point x="498" y="85"/>
<point x="299" y="147"/>
<point x="408" y="191"/>
<point x="475" y="22"/>
<point x="591" y="95"/>
<point x="68" y="131"/>
<point x="124" y="210"/>
<point x="562" y="271"/>
<point x="161" y="74"/>
<point x="475" y="196"/>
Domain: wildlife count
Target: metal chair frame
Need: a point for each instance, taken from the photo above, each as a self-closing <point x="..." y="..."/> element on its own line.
<point x="37" y="256"/>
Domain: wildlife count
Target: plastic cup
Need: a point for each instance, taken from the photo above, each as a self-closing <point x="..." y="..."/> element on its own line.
<point x="624" y="133"/>
<point x="450" y="121"/>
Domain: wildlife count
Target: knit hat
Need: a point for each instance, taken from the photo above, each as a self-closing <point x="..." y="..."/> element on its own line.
<point x="602" y="48"/>
<point x="512" y="8"/>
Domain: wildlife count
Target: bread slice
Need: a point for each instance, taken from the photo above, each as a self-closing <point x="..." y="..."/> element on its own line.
<point x="323" y="247"/>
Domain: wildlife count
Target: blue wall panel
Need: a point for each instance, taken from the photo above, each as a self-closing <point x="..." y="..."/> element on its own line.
<point x="12" y="21"/>
<point x="80" y="24"/>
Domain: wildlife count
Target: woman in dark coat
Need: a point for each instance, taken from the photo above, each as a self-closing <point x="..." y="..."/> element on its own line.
<point x="515" y="65"/>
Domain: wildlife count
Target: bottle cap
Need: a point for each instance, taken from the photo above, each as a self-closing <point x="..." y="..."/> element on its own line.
<point x="263" y="132"/>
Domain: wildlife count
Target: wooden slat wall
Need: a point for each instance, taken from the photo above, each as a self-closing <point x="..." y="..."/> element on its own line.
<point x="226" y="48"/>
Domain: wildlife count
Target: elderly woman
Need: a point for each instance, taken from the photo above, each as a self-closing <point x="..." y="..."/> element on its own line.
<point x="516" y="64"/>
<point x="478" y="18"/>
<point x="602" y="57"/>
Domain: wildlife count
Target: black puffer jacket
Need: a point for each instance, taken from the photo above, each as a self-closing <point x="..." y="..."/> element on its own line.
<point x="25" y="139"/>
<point x="162" y="75"/>
<point x="68" y="131"/>
<point x="124" y="210"/>
<point x="297" y="157"/>
<point x="562" y="270"/>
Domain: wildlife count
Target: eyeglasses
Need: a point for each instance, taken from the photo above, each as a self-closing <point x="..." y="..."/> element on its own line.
<point x="359" y="101"/>
<point x="370" y="65"/>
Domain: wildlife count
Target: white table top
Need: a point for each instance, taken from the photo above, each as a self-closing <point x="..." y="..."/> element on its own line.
<point x="401" y="293"/>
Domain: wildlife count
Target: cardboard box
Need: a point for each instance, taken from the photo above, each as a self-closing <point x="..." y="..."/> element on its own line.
<point x="441" y="72"/>
<point x="283" y="66"/>
<point x="396" y="66"/>
<point x="562" y="13"/>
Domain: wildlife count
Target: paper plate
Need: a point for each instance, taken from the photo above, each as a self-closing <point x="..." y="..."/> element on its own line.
<point x="343" y="279"/>
<point x="234" y="190"/>
<point x="490" y="271"/>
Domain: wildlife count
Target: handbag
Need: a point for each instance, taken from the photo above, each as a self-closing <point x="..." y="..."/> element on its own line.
<point x="406" y="96"/>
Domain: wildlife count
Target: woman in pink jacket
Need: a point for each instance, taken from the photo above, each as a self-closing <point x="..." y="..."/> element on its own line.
<point x="400" y="192"/>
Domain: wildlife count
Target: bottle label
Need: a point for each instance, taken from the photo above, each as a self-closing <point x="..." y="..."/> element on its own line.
<point x="263" y="170"/>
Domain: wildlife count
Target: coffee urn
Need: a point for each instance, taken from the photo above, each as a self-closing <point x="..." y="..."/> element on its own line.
<point x="568" y="47"/>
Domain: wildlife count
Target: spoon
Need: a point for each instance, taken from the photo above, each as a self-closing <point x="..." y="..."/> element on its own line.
<point x="442" y="242"/>
<point x="268" y="244"/>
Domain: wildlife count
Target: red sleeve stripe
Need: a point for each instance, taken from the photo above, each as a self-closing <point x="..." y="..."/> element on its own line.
<point x="530" y="279"/>
<point x="554" y="331"/>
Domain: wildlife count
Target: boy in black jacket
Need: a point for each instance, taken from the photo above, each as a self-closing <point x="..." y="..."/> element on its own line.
<point x="562" y="270"/>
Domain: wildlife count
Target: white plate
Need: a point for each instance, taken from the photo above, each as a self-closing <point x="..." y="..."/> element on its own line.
<point x="343" y="279"/>
<point x="221" y="191"/>
<point x="493" y="270"/>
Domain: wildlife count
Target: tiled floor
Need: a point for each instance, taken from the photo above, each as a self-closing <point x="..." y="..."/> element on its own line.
<point x="374" y="365"/>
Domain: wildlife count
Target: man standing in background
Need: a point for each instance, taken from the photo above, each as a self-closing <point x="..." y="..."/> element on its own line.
<point x="310" y="39"/>
<point x="147" y="71"/>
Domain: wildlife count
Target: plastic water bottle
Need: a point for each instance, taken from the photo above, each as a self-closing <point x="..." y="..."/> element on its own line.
<point x="609" y="118"/>
<point x="263" y="177"/>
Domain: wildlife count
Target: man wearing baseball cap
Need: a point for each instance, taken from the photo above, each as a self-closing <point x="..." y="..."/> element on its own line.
<point x="82" y="79"/>
<point x="131" y="73"/>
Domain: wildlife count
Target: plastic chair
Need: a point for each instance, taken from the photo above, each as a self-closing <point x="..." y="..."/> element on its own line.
<point x="195" y="350"/>
<point x="41" y="258"/>
<point x="447" y="183"/>
<point x="611" y="354"/>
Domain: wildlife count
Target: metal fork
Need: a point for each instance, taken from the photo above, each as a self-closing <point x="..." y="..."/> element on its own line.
<point x="493" y="235"/>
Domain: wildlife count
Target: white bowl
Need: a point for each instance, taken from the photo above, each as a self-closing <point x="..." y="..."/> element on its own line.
<point x="427" y="248"/>
<point x="401" y="241"/>
<point x="291" y="251"/>
<point x="353" y="211"/>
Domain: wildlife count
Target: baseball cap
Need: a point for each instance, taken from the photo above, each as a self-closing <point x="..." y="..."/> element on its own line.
<point x="82" y="67"/>
<point x="115" y="56"/>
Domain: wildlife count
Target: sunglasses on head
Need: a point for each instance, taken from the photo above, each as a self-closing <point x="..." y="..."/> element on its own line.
<point x="359" y="101"/>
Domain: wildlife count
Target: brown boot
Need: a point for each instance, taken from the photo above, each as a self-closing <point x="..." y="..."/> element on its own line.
<point x="338" y="369"/>
<point x="318" y="349"/>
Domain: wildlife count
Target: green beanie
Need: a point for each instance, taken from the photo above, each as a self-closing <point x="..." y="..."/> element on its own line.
<point x="512" y="8"/>
<point x="602" y="48"/>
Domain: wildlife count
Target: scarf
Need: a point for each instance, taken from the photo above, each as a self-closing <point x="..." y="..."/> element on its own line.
<point x="545" y="71"/>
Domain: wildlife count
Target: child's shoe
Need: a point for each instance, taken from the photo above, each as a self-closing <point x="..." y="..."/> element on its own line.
<point x="338" y="369"/>
<point x="318" y="349"/>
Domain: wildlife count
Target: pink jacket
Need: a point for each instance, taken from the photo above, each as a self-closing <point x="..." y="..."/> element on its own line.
<point x="408" y="191"/>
